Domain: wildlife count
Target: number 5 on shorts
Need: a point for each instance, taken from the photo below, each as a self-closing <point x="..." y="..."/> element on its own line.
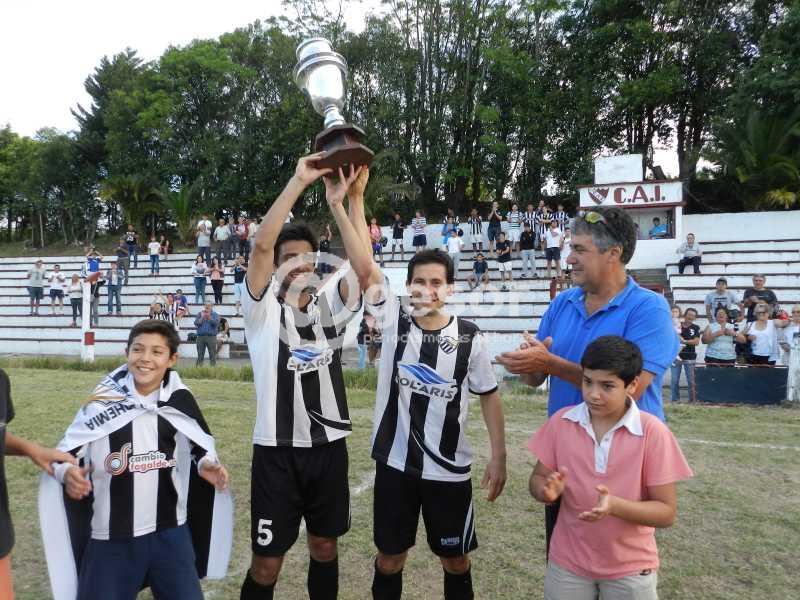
<point x="264" y="530"/>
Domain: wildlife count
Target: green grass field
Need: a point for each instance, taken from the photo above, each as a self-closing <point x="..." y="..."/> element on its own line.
<point x="737" y="533"/>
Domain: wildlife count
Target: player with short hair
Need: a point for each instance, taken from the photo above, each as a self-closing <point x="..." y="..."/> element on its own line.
<point x="294" y="330"/>
<point x="430" y="363"/>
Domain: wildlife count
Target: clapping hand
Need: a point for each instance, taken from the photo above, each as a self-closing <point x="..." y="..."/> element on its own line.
<point x="533" y="356"/>
<point x="602" y="509"/>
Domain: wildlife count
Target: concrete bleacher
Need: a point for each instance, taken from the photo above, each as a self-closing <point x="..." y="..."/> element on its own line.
<point x="738" y="261"/>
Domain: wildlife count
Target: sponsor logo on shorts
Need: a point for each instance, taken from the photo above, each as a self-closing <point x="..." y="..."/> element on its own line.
<point x="117" y="463"/>
<point x="309" y="358"/>
<point x="422" y="379"/>
<point x="450" y="541"/>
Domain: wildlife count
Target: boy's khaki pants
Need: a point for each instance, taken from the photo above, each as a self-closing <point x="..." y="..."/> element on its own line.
<point x="560" y="584"/>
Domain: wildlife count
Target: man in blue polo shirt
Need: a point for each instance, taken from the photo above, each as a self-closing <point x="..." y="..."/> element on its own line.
<point x="605" y="301"/>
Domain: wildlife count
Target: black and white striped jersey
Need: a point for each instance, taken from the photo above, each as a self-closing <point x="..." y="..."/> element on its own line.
<point x="514" y="218"/>
<point x="422" y="402"/>
<point x="530" y="219"/>
<point x="562" y="218"/>
<point x="475" y="225"/>
<point x="139" y="473"/>
<point x="297" y="365"/>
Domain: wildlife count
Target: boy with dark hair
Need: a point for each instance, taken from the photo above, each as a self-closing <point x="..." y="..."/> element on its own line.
<point x="527" y="246"/>
<point x="430" y="363"/>
<point x="398" y="230"/>
<point x="504" y="263"/>
<point x="690" y="340"/>
<point x="606" y="454"/>
<point x="15" y="446"/>
<point x="480" y="273"/>
<point x="143" y="491"/>
<point x="294" y="332"/>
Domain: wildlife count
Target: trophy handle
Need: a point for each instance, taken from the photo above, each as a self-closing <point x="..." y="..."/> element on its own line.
<point x="342" y="146"/>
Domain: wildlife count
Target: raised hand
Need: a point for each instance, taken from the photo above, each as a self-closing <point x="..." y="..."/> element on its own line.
<point x="494" y="478"/>
<point x="554" y="485"/>
<point x="307" y="172"/>
<point x="76" y="483"/>
<point x="335" y="191"/>
<point x="533" y="356"/>
<point x="603" y="508"/>
<point x="356" y="191"/>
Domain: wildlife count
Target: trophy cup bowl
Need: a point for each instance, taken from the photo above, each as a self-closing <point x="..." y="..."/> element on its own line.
<point x="320" y="73"/>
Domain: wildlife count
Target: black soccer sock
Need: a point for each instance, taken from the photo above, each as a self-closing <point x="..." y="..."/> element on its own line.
<point x="323" y="579"/>
<point x="458" y="586"/>
<point x="252" y="590"/>
<point x="387" y="587"/>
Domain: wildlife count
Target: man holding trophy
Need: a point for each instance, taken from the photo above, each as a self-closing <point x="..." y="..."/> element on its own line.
<point x="294" y="328"/>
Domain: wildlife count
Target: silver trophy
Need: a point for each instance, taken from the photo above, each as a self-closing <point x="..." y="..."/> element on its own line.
<point x="320" y="73"/>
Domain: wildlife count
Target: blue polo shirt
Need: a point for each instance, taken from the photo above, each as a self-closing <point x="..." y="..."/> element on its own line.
<point x="636" y="314"/>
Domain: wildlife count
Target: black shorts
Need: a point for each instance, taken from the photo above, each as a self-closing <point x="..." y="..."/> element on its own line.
<point x="552" y="254"/>
<point x="56" y="294"/>
<point x="446" y="509"/>
<point x="292" y="483"/>
<point x="492" y="232"/>
<point x="420" y="240"/>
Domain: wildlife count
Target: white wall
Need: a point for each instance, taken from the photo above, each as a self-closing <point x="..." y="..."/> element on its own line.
<point x="724" y="227"/>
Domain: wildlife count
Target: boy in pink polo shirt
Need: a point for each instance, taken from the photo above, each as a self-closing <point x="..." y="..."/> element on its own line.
<point x="614" y="469"/>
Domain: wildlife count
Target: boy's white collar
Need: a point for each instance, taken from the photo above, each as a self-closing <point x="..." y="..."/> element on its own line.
<point x="631" y="420"/>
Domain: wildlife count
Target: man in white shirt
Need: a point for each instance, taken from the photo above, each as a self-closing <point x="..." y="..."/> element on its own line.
<point x="552" y="253"/>
<point x="455" y="244"/>
<point x="57" y="282"/>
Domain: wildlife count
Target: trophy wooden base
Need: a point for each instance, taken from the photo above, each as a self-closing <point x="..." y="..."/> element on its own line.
<point x="343" y="147"/>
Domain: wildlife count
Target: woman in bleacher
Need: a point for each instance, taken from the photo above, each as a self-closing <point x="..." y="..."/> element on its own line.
<point x="720" y="336"/>
<point x="791" y="330"/>
<point x="763" y="336"/>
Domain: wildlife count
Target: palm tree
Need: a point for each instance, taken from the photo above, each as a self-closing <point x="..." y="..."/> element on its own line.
<point x="181" y="205"/>
<point x="141" y="202"/>
<point x="764" y="156"/>
<point x="382" y="187"/>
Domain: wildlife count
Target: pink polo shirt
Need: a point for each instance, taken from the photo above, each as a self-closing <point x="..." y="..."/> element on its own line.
<point x="639" y="452"/>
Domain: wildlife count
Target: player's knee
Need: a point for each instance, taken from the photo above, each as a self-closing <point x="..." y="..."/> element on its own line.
<point x="389" y="564"/>
<point x="265" y="569"/>
<point x="455" y="564"/>
<point x="322" y="549"/>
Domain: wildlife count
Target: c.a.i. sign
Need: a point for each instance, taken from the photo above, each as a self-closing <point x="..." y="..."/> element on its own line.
<point x="638" y="194"/>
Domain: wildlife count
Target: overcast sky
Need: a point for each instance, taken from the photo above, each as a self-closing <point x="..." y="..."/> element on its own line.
<point x="49" y="47"/>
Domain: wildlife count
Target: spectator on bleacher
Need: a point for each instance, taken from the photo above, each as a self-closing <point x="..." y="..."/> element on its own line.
<point x="527" y="249"/>
<point x="475" y="225"/>
<point x="514" y="218"/>
<point x="658" y="230"/>
<point x="721" y="296"/>
<point x="222" y="241"/>
<point x="75" y="293"/>
<point x="720" y="336"/>
<point x="57" y="282"/>
<point x="504" y="262"/>
<point x="455" y="245"/>
<point x="690" y="255"/>
<point x="94" y="306"/>
<point x="605" y="301"/>
<point x="199" y="273"/>
<point x="789" y="333"/>
<point x="159" y="312"/>
<point x="552" y="254"/>
<point x="132" y="241"/>
<point x="115" y="277"/>
<point x="324" y="262"/>
<point x="223" y="333"/>
<point x="154" y="249"/>
<point x="758" y="293"/>
<point x="480" y="273"/>
<point x="165" y="245"/>
<point x="763" y="336"/>
<point x="205" y="223"/>
<point x="207" y="323"/>
<point x="93" y="260"/>
<point x="376" y="237"/>
<point x="217" y="275"/>
<point x="242" y="232"/>
<point x="566" y="249"/>
<point x="203" y="236"/>
<point x="545" y="218"/>
<point x="449" y="228"/>
<point x="123" y="257"/>
<point x="252" y="230"/>
<point x="561" y="217"/>
<point x="181" y="303"/>
<point x="418" y="224"/>
<point x="495" y="220"/>
<point x="687" y="357"/>
<point x="362" y="341"/>
<point x="398" y="229"/>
